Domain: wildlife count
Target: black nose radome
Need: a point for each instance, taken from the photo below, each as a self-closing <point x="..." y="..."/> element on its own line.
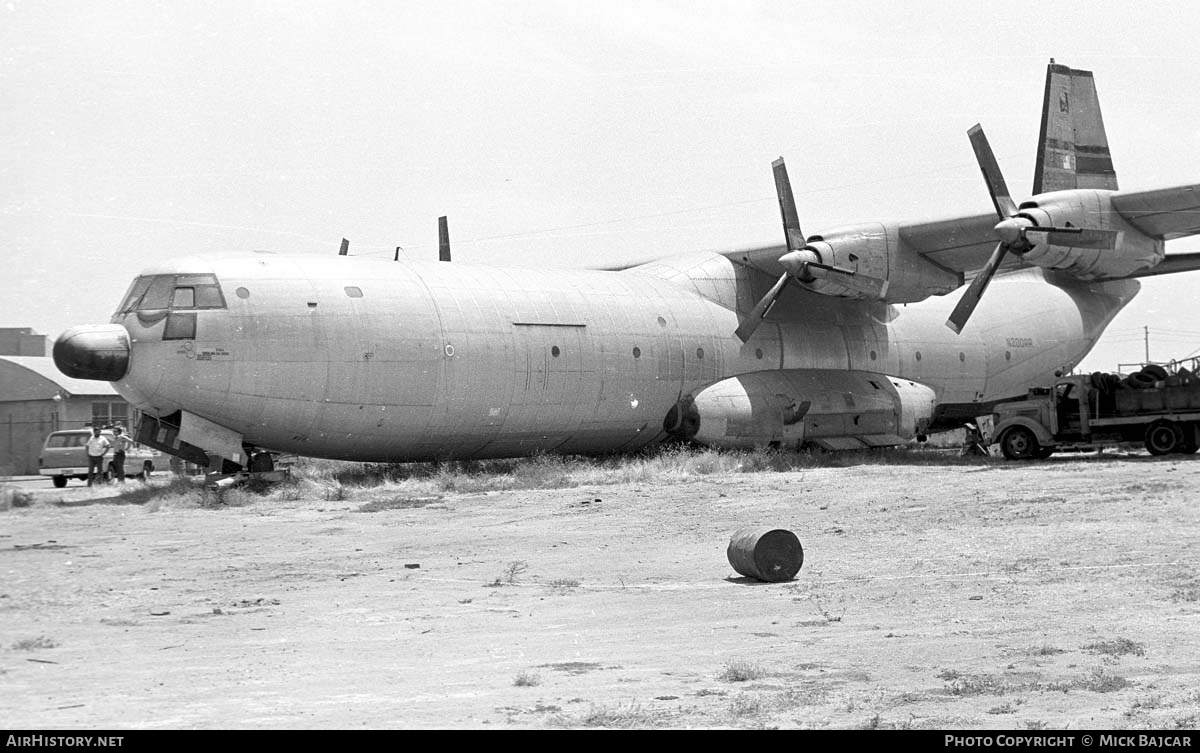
<point x="93" y="352"/>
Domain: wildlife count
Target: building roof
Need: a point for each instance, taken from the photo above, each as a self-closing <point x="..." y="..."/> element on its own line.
<point x="32" y="368"/>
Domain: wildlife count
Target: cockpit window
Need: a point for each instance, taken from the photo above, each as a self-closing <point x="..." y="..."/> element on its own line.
<point x="136" y="291"/>
<point x="173" y="292"/>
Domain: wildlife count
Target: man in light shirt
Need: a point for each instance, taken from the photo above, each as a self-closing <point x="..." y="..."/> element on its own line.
<point x="97" y="448"/>
<point x="120" y="443"/>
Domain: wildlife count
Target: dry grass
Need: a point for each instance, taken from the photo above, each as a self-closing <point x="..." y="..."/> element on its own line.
<point x="622" y="717"/>
<point x="527" y="679"/>
<point x="339" y="480"/>
<point x="384" y="486"/>
<point x="1118" y="647"/>
<point x="33" y="644"/>
<point x="740" y="670"/>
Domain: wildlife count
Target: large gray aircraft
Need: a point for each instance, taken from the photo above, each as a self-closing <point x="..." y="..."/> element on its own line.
<point x="855" y="336"/>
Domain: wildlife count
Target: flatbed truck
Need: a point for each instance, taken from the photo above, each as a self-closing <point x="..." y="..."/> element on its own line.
<point x="1156" y="407"/>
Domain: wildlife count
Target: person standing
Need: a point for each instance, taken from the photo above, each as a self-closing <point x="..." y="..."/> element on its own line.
<point x="97" y="448"/>
<point x="120" y="443"/>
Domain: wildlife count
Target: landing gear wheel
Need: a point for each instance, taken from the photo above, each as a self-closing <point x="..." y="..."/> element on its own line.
<point x="1163" y="438"/>
<point x="1019" y="443"/>
<point x="59" y="481"/>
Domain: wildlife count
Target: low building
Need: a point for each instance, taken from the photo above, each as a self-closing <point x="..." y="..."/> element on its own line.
<point x="36" y="399"/>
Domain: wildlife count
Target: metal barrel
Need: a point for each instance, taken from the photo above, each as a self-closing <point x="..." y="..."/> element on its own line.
<point x="769" y="554"/>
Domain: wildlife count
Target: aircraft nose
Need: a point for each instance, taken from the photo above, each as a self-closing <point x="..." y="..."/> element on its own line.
<point x="98" y="352"/>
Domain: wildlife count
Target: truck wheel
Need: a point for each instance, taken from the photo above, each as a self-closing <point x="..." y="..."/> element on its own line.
<point x="1019" y="443"/>
<point x="59" y="481"/>
<point x="147" y="469"/>
<point x="1162" y="437"/>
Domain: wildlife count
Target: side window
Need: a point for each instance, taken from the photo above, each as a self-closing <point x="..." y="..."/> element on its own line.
<point x="180" y="326"/>
<point x="184" y="298"/>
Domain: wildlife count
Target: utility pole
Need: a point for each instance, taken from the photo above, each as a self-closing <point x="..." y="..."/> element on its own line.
<point x="1147" y="330"/>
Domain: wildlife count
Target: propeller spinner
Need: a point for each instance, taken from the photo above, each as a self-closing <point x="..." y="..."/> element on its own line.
<point x="801" y="260"/>
<point x="1013" y="231"/>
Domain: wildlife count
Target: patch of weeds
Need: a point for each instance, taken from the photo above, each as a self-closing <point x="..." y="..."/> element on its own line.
<point x="176" y="492"/>
<point x="1191" y="721"/>
<point x="1033" y="724"/>
<point x="1100" y="681"/>
<point x="563" y="584"/>
<point x="573" y="667"/>
<point x="704" y="692"/>
<point x="747" y="704"/>
<point x="512" y="572"/>
<point x="33" y="644"/>
<point x="399" y="503"/>
<point x="1186" y="587"/>
<point x="1004" y="708"/>
<point x="793" y="698"/>
<point x="1044" y="650"/>
<point x="19" y="497"/>
<point x="527" y="680"/>
<point x="874" y="722"/>
<point x="336" y="492"/>
<point x="621" y="717"/>
<point x="740" y="670"/>
<point x="1145" y="704"/>
<point x="967" y="685"/>
<point x="1118" y="647"/>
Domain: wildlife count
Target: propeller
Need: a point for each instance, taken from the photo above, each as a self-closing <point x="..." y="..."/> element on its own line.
<point x="1013" y="230"/>
<point x="443" y="240"/>
<point x="345" y="249"/>
<point x="801" y="260"/>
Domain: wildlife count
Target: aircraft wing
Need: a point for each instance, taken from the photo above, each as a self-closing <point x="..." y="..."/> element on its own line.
<point x="961" y="244"/>
<point x="1163" y="213"/>
<point x="1172" y="264"/>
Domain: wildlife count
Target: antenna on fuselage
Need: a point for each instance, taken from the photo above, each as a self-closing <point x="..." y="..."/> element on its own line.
<point x="345" y="249"/>
<point x="443" y="240"/>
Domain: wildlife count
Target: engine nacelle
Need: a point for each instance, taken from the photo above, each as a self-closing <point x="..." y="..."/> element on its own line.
<point x="1088" y="209"/>
<point x="831" y="408"/>
<point x="876" y="249"/>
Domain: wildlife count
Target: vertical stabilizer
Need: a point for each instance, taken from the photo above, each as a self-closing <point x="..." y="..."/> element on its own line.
<point x="1072" y="147"/>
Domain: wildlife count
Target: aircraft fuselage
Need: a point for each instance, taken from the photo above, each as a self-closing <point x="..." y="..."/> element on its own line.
<point x="347" y="358"/>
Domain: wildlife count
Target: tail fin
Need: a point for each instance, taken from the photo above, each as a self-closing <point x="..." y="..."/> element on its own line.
<point x="1072" y="148"/>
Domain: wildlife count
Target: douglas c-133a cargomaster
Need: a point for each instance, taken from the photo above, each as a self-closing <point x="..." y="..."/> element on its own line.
<point x="856" y="336"/>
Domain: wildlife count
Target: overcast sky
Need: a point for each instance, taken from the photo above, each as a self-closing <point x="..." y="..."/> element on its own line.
<point x="551" y="133"/>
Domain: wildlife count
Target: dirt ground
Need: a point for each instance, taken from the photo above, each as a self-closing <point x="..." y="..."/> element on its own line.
<point x="1057" y="594"/>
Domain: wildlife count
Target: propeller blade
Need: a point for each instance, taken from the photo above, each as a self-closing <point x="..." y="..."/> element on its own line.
<point x="1078" y="237"/>
<point x="872" y="287"/>
<point x="1005" y="206"/>
<point x="345" y="249"/>
<point x="746" y="329"/>
<point x="443" y="240"/>
<point x="966" y="304"/>
<point x="787" y="206"/>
